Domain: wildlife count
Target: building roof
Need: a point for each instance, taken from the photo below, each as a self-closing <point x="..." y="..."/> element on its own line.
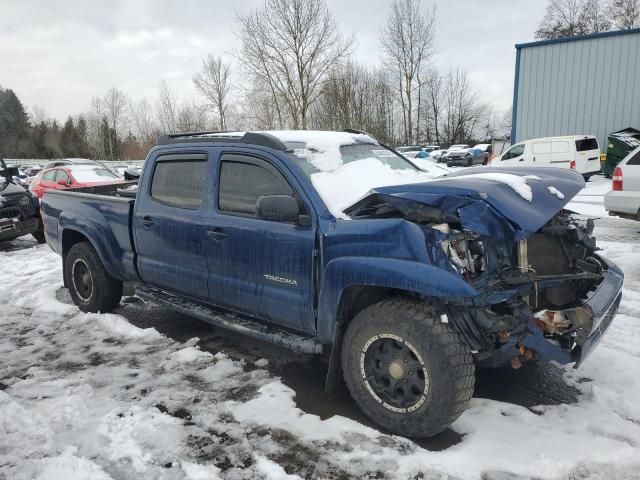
<point x="577" y="38"/>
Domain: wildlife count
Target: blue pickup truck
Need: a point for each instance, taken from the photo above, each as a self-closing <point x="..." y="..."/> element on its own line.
<point x="331" y="243"/>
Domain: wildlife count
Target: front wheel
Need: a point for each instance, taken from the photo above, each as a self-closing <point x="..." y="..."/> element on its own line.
<point x="409" y="372"/>
<point x="91" y="288"/>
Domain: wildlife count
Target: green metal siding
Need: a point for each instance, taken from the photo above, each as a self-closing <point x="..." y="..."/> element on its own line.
<point x="577" y="86"/>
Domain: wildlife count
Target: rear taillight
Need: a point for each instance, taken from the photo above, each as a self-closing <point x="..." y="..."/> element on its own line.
<point x="617" y="179"/>
<point x="572" y="164"/>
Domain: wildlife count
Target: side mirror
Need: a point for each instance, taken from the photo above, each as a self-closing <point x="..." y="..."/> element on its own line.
<point x="277" y="208"/>
<point x="62" y="182"/>
<point x="10" y="172"/>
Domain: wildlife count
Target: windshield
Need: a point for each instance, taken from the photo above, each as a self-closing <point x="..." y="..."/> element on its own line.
<point x="345" y="175"/>
<point x="306" y="158"/>
<point x="86" y="174"/>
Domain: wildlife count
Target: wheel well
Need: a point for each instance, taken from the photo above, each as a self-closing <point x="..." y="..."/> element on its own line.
<point x="69" y="239"/>
<point x="353" y="300"/>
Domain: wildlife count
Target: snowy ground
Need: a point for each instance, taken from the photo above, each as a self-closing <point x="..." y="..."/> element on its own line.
<point x="95" y="396"/>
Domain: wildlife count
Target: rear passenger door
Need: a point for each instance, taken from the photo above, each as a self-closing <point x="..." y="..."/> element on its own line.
<point x="169" y="224"/>
<point x="260" y="267"/>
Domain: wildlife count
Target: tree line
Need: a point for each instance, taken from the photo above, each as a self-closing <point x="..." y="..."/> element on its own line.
<point x="293" y="69"/>
<point x="569" y="18"/>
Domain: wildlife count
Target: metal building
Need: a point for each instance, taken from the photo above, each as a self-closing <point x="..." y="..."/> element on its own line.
<point x="577" y="85"/>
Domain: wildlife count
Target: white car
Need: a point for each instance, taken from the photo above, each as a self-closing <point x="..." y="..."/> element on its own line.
<point x="576" y="152"/>
<point x="624" y="197"/>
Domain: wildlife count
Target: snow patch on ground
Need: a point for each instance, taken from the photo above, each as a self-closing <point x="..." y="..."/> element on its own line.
<point x="85" y="396"/>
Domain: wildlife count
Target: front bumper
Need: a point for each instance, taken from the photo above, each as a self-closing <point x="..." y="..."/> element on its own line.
<point x="11" y="228"/>
<point x="596" y="312"/>
<point x="589" y="321"/>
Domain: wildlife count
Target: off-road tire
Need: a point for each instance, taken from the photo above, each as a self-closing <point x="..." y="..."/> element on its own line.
<point x="39" y="236"/>
<point x="445" y="355"/>
<point x="106" y="291"/>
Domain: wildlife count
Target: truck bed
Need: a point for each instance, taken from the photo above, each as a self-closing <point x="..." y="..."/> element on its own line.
<point x="102" y="214"/>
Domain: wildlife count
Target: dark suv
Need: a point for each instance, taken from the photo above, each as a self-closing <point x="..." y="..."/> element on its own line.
<point x="19" y="209"/>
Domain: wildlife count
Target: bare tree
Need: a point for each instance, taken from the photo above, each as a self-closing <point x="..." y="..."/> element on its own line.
<point x="96" y="140"/>
<point x="38" y="115"/>
<point x="191" y="117"/>
<point x="625" y="14"/>
<point x="595" y="16"/>
<point x="434" y="86"/>
<point x="407" y="40"/>
<point x="290" y="46"/>
<point x="114" y="103"/>
<point x="145" y="127"/>
<point x="167" y="110"/>
<point x="568" y="18"/>
<point x="463" y="110"/>
<point x="214" y="83"/>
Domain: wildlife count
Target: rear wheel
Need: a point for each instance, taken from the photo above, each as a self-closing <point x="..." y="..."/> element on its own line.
<point x="92" y="289"/>
<point x="407" y="371"/>
<point x="470" y="162"/>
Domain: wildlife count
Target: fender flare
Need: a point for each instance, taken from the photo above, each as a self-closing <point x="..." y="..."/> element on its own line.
<point x="407" y="275"/>
<point x="98" y="235"/>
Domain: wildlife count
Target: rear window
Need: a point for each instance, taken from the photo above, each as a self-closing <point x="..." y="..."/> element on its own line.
<point x="87" y="174"/>
<point x="587" y="144"/>
<point x="635" y="160"/>
<point x="179" y="183"/>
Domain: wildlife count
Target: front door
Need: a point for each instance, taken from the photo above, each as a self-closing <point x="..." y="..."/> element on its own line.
<point x="169" y="224"/>
<point x="514" y="156"/>
<point x="260" y="267"/>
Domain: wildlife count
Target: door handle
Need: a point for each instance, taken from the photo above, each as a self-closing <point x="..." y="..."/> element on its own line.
<point x="522" y="159"/>
<point x="217" y="233"/>
<point x="147" y="221"/>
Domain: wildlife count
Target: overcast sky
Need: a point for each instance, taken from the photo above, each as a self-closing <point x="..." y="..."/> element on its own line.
<point x="59" y="54"/>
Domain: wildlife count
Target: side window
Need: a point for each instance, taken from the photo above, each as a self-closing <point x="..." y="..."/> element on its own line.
<point x="244" y="179"/>
<point x="179" y="183"/>
<point x="635" y="160"/>
<point x="61" y="175"/>
<point x="514" y="152"/>
<point x="49" y="176"/>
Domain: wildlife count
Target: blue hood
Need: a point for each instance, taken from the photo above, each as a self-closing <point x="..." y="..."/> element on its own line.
<point x="493" y="208"/>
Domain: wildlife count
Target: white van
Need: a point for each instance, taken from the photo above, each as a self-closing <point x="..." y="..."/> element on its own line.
<point x="577" y="152"/>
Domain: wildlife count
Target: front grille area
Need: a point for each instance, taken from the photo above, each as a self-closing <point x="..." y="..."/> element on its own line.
<point x="11" y="212"/>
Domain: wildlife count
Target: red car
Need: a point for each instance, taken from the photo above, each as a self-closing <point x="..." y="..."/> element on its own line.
<point x="72" y="176"/>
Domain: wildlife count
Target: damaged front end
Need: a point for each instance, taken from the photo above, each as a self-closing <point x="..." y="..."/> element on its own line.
<point x="562" y="297"/>
<point x="543" y="291"/>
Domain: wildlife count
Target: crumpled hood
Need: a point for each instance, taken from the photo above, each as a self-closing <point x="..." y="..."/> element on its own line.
<point x="494" y="205"/>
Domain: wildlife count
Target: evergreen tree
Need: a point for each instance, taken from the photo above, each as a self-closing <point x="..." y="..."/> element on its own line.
<point x="13" y="125"/>
<point x="67" y="134"/>
<point x="80" y="138"/>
